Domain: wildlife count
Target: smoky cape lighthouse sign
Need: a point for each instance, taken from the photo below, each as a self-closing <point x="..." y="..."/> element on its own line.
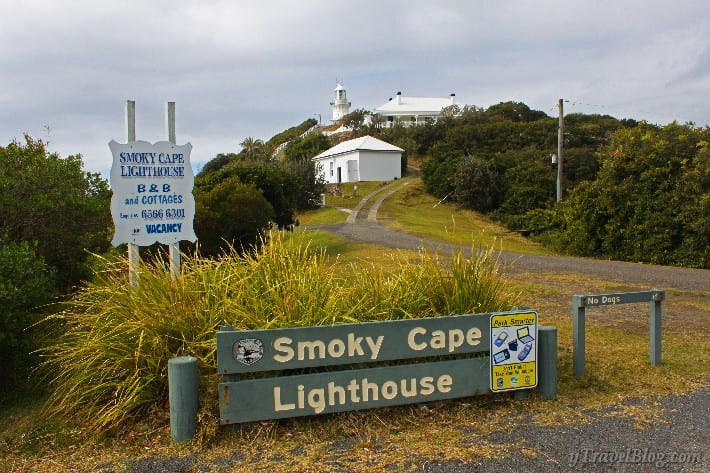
<point x="152" y="193"/>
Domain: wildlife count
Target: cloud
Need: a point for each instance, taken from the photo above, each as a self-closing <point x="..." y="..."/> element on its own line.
<point x="239" y="69"/>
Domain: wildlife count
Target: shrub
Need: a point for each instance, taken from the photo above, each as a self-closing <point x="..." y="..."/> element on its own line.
<point x="230" y="214"/>
<point x="26" y="283"/>
<point x="476" y="185"/>
<point x="110" y="364"/>
<point x="50" y="200"/>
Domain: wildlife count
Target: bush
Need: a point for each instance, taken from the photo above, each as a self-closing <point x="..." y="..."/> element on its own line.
<point x="230" y="215"/>
<point x="477" y="185"/>
<point x="49" y="200"/>
<point x="649" y="202"/>
<point x="110" y="363"/>
<point x="26" y="284"/>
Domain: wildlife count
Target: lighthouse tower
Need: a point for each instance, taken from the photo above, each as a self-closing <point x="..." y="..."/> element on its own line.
<point x="340" y="105"/>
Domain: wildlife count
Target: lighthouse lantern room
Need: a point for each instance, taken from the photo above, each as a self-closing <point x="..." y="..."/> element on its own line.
<point x="340" y="105"/>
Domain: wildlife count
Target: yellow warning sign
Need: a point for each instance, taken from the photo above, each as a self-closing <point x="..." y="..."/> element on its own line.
<point x="513" y="351"/>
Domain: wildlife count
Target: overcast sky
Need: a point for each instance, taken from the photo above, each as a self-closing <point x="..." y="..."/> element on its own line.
<point x="253" y="68"/>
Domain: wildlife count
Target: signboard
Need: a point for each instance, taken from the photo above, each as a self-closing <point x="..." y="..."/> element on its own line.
<point x="252" y="351"/>
<point x="619" y="298"/>
<point x="580" y="302"/>
<point x="339" y="391"/>
<point x="427" y="359"/>
<point x="513" y="351"/>
<point x="152" y="193"/>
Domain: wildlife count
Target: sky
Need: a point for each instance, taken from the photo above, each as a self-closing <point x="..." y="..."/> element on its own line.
<point x="238" y="69"/>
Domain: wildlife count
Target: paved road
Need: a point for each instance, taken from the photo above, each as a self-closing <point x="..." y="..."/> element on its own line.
<point x="661" y="277"/>
<point x="357" y="228"/>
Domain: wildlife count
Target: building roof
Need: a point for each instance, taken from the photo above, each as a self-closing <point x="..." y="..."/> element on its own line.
<point x="401" y="105"/>
<point x="364" y="143"/>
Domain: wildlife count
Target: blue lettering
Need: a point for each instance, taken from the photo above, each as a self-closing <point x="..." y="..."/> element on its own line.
<point x="163" y="228"/>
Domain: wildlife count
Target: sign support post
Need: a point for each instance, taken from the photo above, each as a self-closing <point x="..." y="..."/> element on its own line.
<point x="133" y="254"/>
<point x="578" y="334"/>
<point x="655" y="328"/>
<point x="174" y="248"/>
<point x="581" y="302"/>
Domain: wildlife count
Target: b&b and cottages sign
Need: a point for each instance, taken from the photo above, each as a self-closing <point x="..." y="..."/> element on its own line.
<point x="152" y="193"/>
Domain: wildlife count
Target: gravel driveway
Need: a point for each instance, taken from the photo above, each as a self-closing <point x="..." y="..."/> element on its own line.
<point x="661" y="277"/>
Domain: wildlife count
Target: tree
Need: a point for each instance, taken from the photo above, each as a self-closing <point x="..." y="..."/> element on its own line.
<point x="26" y="283"/>
<point x="476" y="185"/>
<point x="51" y="201"/>
<point x="253" y="149"/>
<point x="354" y="121"/>
<point x="649" y="202"/>
<point x="230" y="214"/>
<point x="528" y="183"/>
<point x="272" y="179"/>
<point x="376" y="123"/>
<point x="306" y="148"/>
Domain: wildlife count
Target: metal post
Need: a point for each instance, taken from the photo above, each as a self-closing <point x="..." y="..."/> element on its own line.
<point x="133" y="254"/>
<point x="174" y="248"/>
<point x="183" y="392"/>
<point x="560" y="150"/>
<point x="655" y="329"/>
<point x="547" y="361"/>
<point x="578" y="336"/>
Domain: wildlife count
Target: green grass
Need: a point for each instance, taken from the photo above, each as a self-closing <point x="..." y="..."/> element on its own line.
<point x="413" y="211"/>
<point x="348" y="198"/>
<point x="324" y="216"/>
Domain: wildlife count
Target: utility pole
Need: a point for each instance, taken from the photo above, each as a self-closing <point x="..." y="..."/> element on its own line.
<point x="560" y="150"/>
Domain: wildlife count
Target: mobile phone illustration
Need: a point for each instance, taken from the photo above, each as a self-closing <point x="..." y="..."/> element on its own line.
<point x="501" y="338"/>
<point x="525" y="352"/>
<point x="501" y="356"/>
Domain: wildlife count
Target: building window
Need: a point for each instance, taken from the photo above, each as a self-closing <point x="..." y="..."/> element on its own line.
<point x="331" y="169"/>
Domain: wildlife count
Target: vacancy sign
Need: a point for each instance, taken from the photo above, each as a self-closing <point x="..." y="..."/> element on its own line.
<point x="152" y="193"/>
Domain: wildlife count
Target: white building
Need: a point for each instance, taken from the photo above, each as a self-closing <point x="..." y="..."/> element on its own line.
<point x="361" y="159"/>
<point x="413" y="110"/>
<point x="340" y="105"/>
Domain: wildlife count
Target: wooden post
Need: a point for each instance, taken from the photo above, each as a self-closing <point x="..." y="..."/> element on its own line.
<point x="183" y="393"/>
<point x="578" y="335"/>
<point x="560" y="150"/>
<point x="133" y="254"/>
<point x="655" y="328"/>
<point x="174" y="248"/>
<point x="547" y="361"/>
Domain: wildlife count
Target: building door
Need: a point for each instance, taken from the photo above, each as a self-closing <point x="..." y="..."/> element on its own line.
<point x="352" y="170"/>
<point x="340" y="174"/>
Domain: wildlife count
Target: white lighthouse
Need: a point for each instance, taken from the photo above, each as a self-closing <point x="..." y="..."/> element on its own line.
<point x="340" y="105"/>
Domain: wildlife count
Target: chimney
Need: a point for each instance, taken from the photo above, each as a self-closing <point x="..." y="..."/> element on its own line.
<point x="453" y="99"/>
<point x="398" y="98"/>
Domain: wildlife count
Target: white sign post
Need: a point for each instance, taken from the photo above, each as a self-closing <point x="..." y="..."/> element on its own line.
<point x="152" y="192"/>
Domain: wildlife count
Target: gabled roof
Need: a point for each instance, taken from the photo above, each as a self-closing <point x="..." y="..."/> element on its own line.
<point x="367" y="143"/>
<point x="412" y="105"/>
